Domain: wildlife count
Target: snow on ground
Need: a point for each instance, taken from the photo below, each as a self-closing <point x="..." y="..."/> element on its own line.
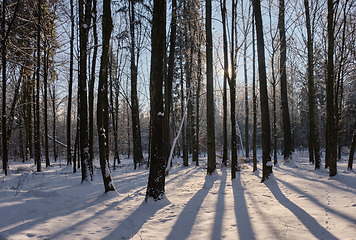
<point x="297" y="202"/>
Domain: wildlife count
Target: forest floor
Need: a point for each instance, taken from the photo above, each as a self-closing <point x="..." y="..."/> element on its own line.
<point x="297" y="202"/>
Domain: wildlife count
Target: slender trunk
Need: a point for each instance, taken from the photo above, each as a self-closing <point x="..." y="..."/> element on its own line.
<point x="352" y="149"/>
<point x="254" y="135"/>
<point x="91" y="83"/>
<point x="245" y="28"/>
<point x="70" y="84"/>
<point x="266" y="132"/>
<point x="3" y="66"/>
<point x="313" y="118"/>
<point x="169" y="79"/>
<point x="136" y="129"/>
<point x="284" y="97"/>
<point x="232" y="85"/>
<point x="45" y="102"/>
<point x="55" y="154"/>
<point x="84" y="23"/>
<point x="184" y="134"/>
<point x="330" y="113"/>
<point x="196" y="147"/>
<point x="37" y="104"/>
<point x="226" y="77"/>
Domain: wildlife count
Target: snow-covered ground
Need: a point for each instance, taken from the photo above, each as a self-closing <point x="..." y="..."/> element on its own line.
<point x="296" y="203"/>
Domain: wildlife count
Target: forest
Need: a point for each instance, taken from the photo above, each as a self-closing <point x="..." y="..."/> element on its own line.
<point x="163" y="89"/>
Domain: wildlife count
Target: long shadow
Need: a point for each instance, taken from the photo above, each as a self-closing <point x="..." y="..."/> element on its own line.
<point x="242" y="217"/>
<point x="310" y="197"/>
<point x="309" y="222"/>
<point x="133" y="223"/>
<point x="327" y="181"/>
<point x="220" y="207"/>
<point x="184" y="224"/>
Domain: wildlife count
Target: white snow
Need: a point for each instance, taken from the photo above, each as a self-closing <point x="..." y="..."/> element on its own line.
<point x="294" y="203"/>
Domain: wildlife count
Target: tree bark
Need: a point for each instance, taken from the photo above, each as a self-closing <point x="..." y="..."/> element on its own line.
<point x="254" y="103"/>
<point x="352" y="149"/>
<point x="210" y="92"/>
<point x="284" y="96"/>
<point x="84" y="23"/>
<point x="156" y="179"/>
<point x="102" y="104"/>
<point x="266" y="132"/>
<point x="226" y="77"/>
<point x="232" y="85"/>
<point x="70" y="86"/>
<point x="91" y="83"/>
<point x="330" y="156"/>
<point x="136" y="129"/>
<point x="37" y="99"/>
<point x="169" y="79"/>
<point x="313" y="118"/>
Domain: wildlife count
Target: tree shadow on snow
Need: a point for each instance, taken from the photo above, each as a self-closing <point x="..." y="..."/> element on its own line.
<point x="242" y="217"/>
<point x="133" y="223"/>
<point x="184" y="224"/>
<point x="308" y="221"/>
<point x="220" y="206"/>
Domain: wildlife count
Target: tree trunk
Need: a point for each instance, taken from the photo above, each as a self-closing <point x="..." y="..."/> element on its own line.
<point x="70" y="86"/>
<point x="102" y="105"/>
<point x="136" y="129"/>
<point x="37" y="101"/>
<point x="196" y="147"/>
<point x="352" y="149"/>
<point x="169" y="79"/>
<point x="226" y="77"/>
<point x="91" y="83"/>
<point x="184" y="134"/>
<point x="254" y="135"/>
<point x="266" y="132"/>
<point x="3" y="66"/>
<point x="55" y="154"/>
<point x="232" y="85"/>
<point x="156" y="179"/>
<point x="84" y="23"/>
<point x="245" y="29"/>
<point x="330" y="156"/>
<point x="210" y="92"/>
<point x="45" y="102"/>
<point x="313" y="117"/>
<point x="284" y="97"/>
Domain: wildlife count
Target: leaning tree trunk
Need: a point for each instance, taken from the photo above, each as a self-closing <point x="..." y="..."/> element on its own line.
<point x="156" y="179"/>
<point x="266" y="131"/>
